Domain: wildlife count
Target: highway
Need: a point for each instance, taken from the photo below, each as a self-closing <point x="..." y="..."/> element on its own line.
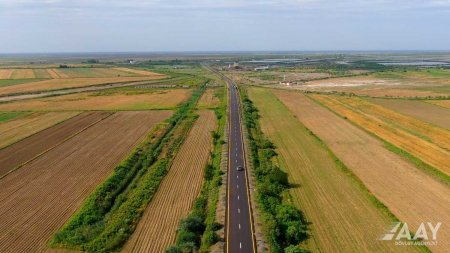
<point x="239" y="227"/>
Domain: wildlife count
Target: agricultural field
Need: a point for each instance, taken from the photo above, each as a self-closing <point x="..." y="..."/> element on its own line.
<point x="210" y="98"/>
<point x="328" y="195"/>
<point x="388" y="176"/>
<point x="442" y="103"/>
<point x="428" y="143"/>
<point x="58" y="84"/>
<point x="18" y="128"/>
<point x="177" y="192"/>
<point x="38" y="198"/>
<point x="113" y="99"/>
<point x="28" y="149"/>
<point x="421" y="109"/>
<point x="56" y="73"/>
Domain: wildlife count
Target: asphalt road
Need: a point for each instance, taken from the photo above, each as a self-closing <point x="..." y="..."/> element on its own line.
<point x="239" y="222"/>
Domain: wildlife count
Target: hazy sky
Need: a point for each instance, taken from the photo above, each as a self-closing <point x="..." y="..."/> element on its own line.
<point x="222" y="25"/>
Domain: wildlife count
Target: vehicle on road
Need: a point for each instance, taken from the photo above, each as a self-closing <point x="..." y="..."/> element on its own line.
<point x="240" y="168"/>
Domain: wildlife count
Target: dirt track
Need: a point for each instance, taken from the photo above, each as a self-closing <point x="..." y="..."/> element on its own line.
<point x="38" y="199"/>
<point x="176" y="194"/>
<point x="409" y="193"/>
<point x="28" y="148"/>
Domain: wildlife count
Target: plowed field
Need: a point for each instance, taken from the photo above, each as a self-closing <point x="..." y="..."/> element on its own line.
<point x="409" y="193"/>
<point x="17" y="129"/>
<point x="176" y="194"/>
<point x="38" y="199"/>
<point x="28" y="148"/>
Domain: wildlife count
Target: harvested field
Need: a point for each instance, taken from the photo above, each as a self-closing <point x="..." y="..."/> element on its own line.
<point x="38" y="199"/>
<point x="6" y="73"/>
<point x="130" y="99"/>
<point x="23" y="74"/>
<point x="419" y="109"/>
<point x="208" y="99"/>
<point x="29" y="148"/>
<point x="137" y="71"/>
<point x="424" y="141"/>
<point x="442" y="103"/>
<point x="328" y="196"/>
<point x="17" y="129"/>
<point x="409" y="193"/>
<point x="177" y="192"/>
<point x="55" y="84"/>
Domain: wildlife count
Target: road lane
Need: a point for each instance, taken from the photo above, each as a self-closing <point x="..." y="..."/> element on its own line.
<point x="239" y="221"/>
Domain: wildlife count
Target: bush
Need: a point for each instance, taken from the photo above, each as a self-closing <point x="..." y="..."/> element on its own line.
<point x="294" y="249"/>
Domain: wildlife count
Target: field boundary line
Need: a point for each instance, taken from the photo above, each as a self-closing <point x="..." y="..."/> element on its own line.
<point x="56" y="145"/>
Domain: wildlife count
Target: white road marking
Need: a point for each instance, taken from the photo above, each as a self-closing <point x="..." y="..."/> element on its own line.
<point x="239" y="210"/>
<point x="239" y="226"/>
<point x="237" y="186"/>
<point x="238" y="197"/>
<point x="240" y="245"/>
<point x="237" y="176"/>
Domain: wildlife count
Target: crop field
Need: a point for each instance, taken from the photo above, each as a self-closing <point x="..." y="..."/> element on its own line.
<point x="56" y="84"/>
<point x="442" y="103"/>
<point x="116" y="99"/>
<point x="38" y="144"/>
<point x="428" y="143"/>
<point x="329" y="197"/>
<point x="422" y="110"/>
<point x="387" y="176"/>
<point x="71" y="73"/>
<point x="38" y="198"/>
<point x="209" y="99"/>
<point x="177" y="192"/>
<point x="16" y="129"/>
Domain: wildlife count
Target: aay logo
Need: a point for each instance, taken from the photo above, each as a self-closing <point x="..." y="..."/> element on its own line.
<point x="400" y="232"/>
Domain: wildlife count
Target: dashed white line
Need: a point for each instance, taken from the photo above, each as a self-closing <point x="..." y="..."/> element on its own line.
<point x="238" y="197"/>
<point x="239" y="226"/>
<point x="240" y="245"/>
<point x="237" y="186"/>
<point x="239" y="210"/>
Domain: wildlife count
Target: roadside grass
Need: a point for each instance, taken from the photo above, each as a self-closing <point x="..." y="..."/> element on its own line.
<point x="284" y="225"/>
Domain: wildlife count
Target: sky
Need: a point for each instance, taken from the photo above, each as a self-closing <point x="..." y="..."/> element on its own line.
<point x="41" y="26"/>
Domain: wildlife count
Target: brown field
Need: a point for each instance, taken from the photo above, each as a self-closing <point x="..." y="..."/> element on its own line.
<point x="55" y="84"/>
<point x="177" y="192"/>
<point x="23" y="74"/>
<point x="208" y="99"/>
<point x="442" y="103"/>
<point x="137" y="71"/>
<point x="409" y="193"/>
<point x="30" y="148"/>
<point x="5" y="73"/>
<point x="343" y="218"/>
<point x="419" y="109"/>
<point x="111" y="100"/>
<point x="53" y="73"/>
<point x="38" y="199"/>
<point x="424" y="141"/>
<point x="17" y="129"/>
